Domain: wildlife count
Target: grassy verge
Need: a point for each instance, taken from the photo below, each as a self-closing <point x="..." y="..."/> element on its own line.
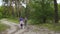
<point x="13" y="20"/>
<point x="55" y="27"/>
<point x="50" y="26"/>
<point x="3" y="27"/>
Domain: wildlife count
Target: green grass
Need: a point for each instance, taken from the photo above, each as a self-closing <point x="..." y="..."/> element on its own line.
<point x="51" y="26"/>
<point x="13" y="20"/>
<point x="33" y="22"/>
<point x="3" y="27"/>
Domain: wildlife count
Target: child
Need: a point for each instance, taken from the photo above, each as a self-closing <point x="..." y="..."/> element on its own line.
<point x="21" y="23"/>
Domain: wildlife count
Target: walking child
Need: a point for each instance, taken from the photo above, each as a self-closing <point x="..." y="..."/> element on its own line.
<point x="21" y="23"/>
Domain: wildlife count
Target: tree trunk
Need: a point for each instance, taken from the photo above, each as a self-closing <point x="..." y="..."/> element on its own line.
<point x="44" y="19"/>
<point x="56" y="11"/>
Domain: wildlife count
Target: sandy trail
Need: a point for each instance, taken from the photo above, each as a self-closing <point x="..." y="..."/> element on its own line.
<point x="14" y="28"/>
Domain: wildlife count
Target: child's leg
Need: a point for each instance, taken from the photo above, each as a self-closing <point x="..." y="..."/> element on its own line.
<point x="21" y="26"/>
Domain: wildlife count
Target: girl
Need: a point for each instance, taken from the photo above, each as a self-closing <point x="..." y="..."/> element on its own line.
<point x="21" y="23"/>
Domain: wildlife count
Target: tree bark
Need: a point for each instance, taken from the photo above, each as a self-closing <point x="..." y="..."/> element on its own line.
<point x="44" y="20"/>
<point x="56" y="11"/>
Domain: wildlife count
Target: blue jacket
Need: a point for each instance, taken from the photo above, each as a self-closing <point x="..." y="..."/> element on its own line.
<point x="21" y="19"/>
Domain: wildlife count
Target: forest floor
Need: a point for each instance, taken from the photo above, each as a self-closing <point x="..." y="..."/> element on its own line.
<point x="30" y="29"/>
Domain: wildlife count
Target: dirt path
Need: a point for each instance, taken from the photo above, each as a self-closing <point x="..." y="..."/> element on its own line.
<point x="38" y="30"/>
<point x="14" y="28"/>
